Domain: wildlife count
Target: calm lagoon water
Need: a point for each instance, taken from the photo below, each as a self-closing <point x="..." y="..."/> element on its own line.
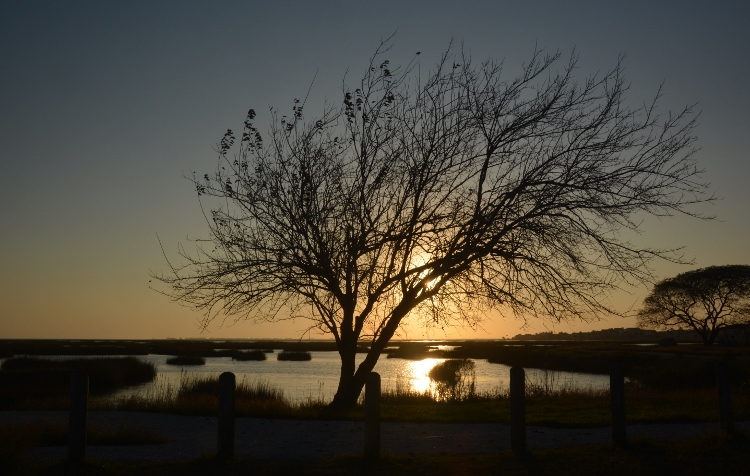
<point x="318" y="378"/>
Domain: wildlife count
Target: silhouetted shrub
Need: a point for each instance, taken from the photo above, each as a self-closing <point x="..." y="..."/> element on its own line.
<point x="454" y="379"/>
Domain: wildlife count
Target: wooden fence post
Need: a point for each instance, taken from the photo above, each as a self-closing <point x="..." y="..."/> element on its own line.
<point x="226" y="416"/>
<point x="372" y="416"/>
<point x="617" y="400"/>
<point x="725" y="400"/>
<point x="79" y="395"/>
<point x="517" y="410"/>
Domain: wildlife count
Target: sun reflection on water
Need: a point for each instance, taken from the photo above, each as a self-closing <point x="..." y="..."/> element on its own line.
<point x="415" y="373"/>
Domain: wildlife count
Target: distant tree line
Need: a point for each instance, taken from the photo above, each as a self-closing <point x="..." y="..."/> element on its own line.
<point x="615" y="334"/>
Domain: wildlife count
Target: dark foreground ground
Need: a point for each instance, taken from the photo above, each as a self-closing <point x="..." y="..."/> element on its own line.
<point x="265" y="446"/>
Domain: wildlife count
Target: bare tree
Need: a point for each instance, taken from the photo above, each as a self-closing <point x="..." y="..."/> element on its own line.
<point x="705" y="300"/>
<point x="438" y="197"/>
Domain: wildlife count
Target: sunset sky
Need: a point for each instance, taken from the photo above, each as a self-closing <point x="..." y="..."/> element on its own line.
<point x="105" y="107"/>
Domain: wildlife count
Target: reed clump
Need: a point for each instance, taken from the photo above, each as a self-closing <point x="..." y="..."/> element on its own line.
<point x="454" y="379"/>
<point x="244" y="390"/>
<point x="46" y="382"/>
<point x="186" y="360"/>
<point x="199" y="395"/>
<point x="294" y="355"/>
<point x="250" y="355"/>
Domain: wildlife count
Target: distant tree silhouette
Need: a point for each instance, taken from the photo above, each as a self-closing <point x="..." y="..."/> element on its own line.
<point x="437" y="196"/>
<point x="705" y="300"/>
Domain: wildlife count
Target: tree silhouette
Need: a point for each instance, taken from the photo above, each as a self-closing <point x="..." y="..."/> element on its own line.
<point x="705" y="300"/>
<point x="437" y="197"/>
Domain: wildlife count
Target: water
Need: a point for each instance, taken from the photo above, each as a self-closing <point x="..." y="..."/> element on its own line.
<point x="318" y="378"/>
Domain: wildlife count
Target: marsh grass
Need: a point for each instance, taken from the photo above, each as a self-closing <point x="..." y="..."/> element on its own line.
<point x="192" y="385"/>
<point x="454" y="379"/>
<point x="544" y="383"/>
<point x="242" y="356"/>
<point x="198" y="395"/>
<point x="186" y="360"/>
<point x="678" y="405"/>
<point x="294" y="355"/>
<point x="45" y="382"/>
<point x="670" y="367"/>
<point x="494" y="407"/>
<point x="550" y="401"/>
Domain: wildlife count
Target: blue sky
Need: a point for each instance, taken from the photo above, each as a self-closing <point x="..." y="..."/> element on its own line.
<point x="106" y="106"/>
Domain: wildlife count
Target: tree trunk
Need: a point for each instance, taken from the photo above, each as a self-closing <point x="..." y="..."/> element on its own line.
<point x="709" y="339"/>
<point x="350" y="385"/>
<point x="346" y="397"/>
<point x="352" y="379"/>
<point x="351" y="382"/>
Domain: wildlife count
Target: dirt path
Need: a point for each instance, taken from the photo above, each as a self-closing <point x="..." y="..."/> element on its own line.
<point x="194" y="436"/>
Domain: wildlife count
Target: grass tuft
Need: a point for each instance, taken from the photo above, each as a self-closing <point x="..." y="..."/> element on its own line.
<point x="186" y="360"/>
<point x="293" y="355"/>
<point x="249" y="355"/>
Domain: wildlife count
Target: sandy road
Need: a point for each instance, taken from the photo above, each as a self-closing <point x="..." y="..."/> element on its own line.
<point x="194" y="436"/>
